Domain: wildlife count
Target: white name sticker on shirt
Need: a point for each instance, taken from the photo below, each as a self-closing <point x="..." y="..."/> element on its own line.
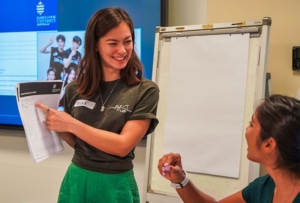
<point x="86" y="103"/>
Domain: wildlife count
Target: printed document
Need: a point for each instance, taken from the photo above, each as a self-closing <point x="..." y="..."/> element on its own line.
<point x="42" y="142"/>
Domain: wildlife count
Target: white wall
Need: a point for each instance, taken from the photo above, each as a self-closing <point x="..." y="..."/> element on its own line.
<point x="284" y="34"/>
<point x="187" y="12"/>
<point x="24" y="181"/>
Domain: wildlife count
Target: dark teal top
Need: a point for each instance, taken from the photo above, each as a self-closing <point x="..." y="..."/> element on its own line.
<point x="261" y="190"/>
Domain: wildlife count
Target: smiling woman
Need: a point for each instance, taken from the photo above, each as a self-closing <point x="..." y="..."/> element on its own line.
<point x="108" y="110"/>
<point x="115" y="49"/>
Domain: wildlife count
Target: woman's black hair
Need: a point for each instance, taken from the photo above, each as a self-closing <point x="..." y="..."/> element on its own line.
<point x="279" y="118"/>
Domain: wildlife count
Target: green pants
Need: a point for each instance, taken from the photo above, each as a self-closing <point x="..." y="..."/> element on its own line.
<point x="84" y="186"/>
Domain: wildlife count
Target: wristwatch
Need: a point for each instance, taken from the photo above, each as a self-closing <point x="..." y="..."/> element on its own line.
<point x="183" y="183"/>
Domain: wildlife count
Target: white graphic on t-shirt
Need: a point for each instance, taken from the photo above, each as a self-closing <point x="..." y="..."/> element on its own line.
<point x="121" y="108"/>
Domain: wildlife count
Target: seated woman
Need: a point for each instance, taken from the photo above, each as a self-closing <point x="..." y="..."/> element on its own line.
<point x="273" y="138"/>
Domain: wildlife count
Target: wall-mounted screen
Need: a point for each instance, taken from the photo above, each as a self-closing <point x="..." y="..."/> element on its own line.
<point x="31" y="36"/>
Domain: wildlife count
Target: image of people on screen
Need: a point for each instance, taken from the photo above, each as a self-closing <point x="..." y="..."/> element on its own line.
<point x="70" y="76"/>
<point x="51" y="74"/>
<point x="56" y="54"/>
<point x="72" y="56"/>
<point x="59" y="50"/>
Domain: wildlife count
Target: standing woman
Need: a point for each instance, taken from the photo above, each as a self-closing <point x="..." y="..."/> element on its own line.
<point x="108" y="110"/>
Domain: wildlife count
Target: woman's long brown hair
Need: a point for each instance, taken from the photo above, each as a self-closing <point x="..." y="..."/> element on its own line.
<point x="90" y="67"/>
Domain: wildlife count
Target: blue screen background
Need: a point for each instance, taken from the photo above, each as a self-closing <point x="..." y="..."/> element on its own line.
<point x="21" y="16"/>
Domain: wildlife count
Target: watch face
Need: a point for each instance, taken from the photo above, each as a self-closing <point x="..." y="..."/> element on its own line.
<point x="176" y="185"/>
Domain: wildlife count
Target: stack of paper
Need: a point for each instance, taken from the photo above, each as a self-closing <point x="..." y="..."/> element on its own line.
<point x="42" y="142"/>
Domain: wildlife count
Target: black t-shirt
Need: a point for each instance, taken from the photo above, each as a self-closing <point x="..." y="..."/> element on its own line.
<point x="57" y="62"/>
<point x="125" y="103"/>
<point x="75" y="59"/>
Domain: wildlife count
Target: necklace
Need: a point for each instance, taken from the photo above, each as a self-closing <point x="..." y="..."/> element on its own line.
<point x="288" y="197"/>
<point x="103" y="103"/>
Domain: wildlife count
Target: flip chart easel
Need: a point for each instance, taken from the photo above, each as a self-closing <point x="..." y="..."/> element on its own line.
<point x="180" y="75"/>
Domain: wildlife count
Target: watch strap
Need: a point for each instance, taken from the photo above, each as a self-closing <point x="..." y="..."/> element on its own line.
<point x="183" y="183"/>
